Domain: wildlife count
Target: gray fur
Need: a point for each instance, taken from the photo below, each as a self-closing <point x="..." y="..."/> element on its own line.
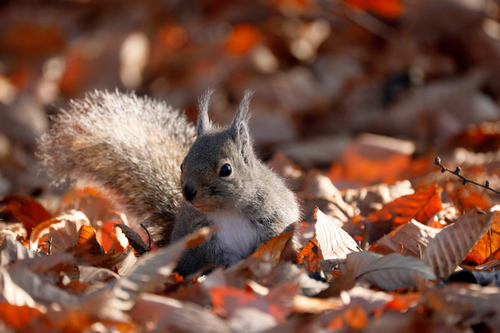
<point x="204" y="123"/>
<point x="132" y="148"/>
<point x="127" y="146"/>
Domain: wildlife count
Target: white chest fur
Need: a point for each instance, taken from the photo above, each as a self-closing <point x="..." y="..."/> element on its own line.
<point x="237" y="235"/>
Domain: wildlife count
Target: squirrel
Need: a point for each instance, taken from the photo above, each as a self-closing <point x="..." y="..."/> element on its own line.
<point x="173" y="177"/>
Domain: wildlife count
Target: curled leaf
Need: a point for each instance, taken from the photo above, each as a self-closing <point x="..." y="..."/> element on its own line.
<point x="133" y="238"/>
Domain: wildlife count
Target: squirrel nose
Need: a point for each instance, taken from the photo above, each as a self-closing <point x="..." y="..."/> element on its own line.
<point x="189" y="192"/>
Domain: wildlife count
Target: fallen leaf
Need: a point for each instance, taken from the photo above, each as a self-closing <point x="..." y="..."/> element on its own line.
<point x="151" y="268"/>
<point x="333" y="241"/>
<point x="12" y="250"/>
<point x="487" y="245"/>
<point x="241" y="39"/>
<point x="271" y="250"/>
<point x="311" y="256"/>
<point x="85" y="243"/>
<point x="26" y="210"/>
<point x="420" y="206"/>
<point x="134" y="239"/>
<point x="412" y="236"/>
<point x="453" y="243"/>
<point x="16" y="316"/>
<point x="389" y="272"/>
<point x="59" y="231"/>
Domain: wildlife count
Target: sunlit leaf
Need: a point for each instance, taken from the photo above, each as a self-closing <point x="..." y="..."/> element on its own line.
<point x="454" y="242"/>
<point x="333" y="241"/>
<point x="150" y="269"/>
<point x="26" y="210"/>
<point x="15" y="316"/>
<point x="487" y="245"/>
<point x="419" y="206"/>
<point x="271" y="251"/>
<point x="85" y="242"/>
<point x="389" y="272"/>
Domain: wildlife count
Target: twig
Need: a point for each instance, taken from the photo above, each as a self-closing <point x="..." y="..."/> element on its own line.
<point x="465" y="180"/>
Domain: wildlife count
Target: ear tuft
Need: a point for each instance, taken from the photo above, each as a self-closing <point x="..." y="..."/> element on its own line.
<point x="239" y="127"/>
<point x="204" y="123"/>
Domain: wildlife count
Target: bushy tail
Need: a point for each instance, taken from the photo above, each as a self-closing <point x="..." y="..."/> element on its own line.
<point x="127" y="146"/>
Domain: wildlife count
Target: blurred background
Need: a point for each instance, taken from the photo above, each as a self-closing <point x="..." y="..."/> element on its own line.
<point x="366" y="91"/>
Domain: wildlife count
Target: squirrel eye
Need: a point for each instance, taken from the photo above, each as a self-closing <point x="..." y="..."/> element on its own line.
<point x="182" y="166"/>
<point x="225" y="170"/>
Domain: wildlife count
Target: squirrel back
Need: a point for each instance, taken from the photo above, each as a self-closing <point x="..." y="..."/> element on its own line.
<point x="172" y="177"/>
<point x="126" y="146"/>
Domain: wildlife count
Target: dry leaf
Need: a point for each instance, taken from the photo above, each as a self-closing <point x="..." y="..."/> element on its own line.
<point x="333" y="241"/>
<point x="487" y="245"/>
<point x="15" y="316"/>
<point x="59" y="230"/>
<point x="12" y="250"/>
<point x="241" y="39"/>
<point x="271" y="251"/>
<point x="134" y="239"/>
<point x="447" y="250"/>
<point x="85" y="243"/>
<point x="412" y="236"/>
<point x="420" y="206"/>
<point x="26" y="210"/>
<point x="151" y="268"/>
<point x="389" y="272"/>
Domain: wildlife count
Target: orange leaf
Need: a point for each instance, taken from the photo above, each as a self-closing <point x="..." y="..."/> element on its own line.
<point x="419" y="206"/>
<point x="480" y="253"/>
<point x="271" y="251"/>
<point x="311" y="255"/>
<point x="26" y="210"/>
<point x="17" y="316"/>
<point x="356" y="317"/>
<point x="387" y="8"/>
<point x="222" y="297"/>
<point x="241" y="39"/>
<point x="86" y="242"/>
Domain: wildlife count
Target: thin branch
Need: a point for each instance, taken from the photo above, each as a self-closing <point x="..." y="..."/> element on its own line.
<point x="465" y="180"/>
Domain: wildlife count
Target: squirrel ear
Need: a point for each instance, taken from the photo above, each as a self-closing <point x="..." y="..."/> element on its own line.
<point x="239" y="128"/>
<point x="204" y="122"/>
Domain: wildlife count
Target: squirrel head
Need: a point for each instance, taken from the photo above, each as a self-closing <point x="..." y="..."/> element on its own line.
<point x="218" y="171"/>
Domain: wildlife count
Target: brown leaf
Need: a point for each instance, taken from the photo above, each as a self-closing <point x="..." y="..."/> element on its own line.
<point x="59" y="230"/>
<point x="134" y="239"/>
<point x="412" y="236"/>
<point x="453" y="243"/>
<point x="389" y="272"/>
<point x="26" y="210"/>
<point x="271" y="251"/>
<point x="15" y="316"/>
<point x="487" y="245"/>
<point x="419" y="206"/>
<point x="390" y="9"/>
<point x="241" y="39"/>
<point x="152" y="268"/>
<point x="311" y="256"/>
<point x="333" y="241"/>
<point x="85" y="243"/>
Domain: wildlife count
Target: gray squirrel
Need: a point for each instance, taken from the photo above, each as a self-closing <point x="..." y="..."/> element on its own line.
<point x="174" y="178"/>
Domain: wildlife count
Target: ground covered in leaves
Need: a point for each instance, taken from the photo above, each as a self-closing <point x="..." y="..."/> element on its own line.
<point x="353" y="102"/>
